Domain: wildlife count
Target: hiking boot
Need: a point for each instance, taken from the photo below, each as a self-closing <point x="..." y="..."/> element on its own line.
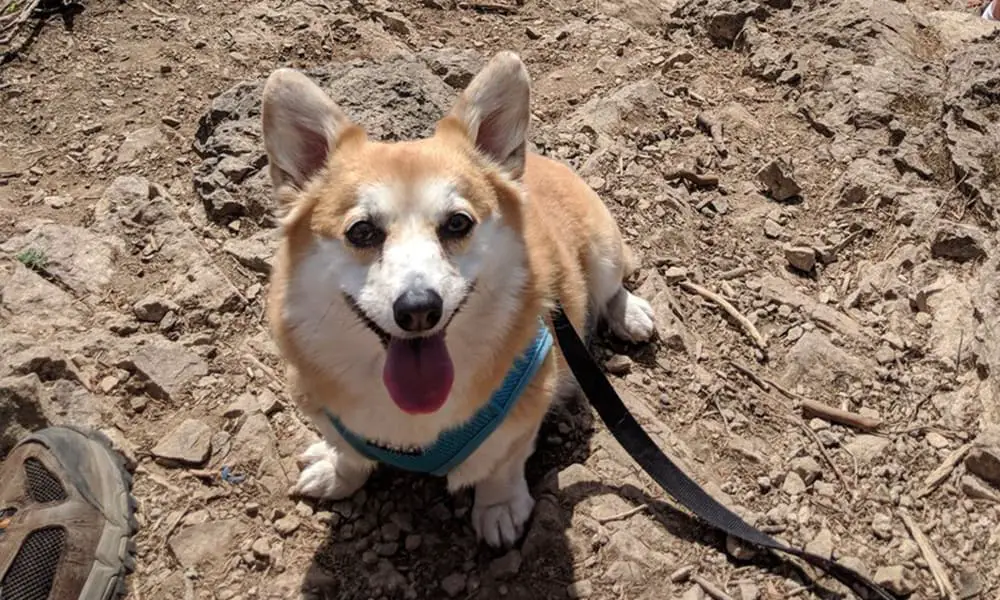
<point x="66" y="518"/>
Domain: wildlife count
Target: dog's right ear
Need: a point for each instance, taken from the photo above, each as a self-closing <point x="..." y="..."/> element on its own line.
<point x="301" y="126"/>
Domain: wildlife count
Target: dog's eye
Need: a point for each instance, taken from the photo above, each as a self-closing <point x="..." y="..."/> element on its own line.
<point x="365" y="234"/>
<point x="457" y="226"/>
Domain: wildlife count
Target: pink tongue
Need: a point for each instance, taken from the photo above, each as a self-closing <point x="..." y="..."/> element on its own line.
<point x="418" y="373"/>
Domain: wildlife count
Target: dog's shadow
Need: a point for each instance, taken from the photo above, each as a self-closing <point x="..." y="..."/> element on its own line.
<point x="404" y="536"/>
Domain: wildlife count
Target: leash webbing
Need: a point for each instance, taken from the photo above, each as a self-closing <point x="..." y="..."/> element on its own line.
<point x="669" y="476"/>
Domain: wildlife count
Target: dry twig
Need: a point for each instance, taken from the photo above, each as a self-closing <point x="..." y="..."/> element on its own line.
<point x="753" y="376"/>
<point x="812" y="408"/>
<point x="12" y="17"/>
<point x="822" y="450"/>
<point x="710" y="588"/>
<point x="624" y="515"/>
<point x="943" y="471"/>
<point x="692" y="178"/>
<point x="933" y="563"/>
<point x="745" y="323"/>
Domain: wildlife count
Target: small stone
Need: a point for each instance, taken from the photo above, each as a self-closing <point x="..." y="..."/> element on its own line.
<point x="619" y="364"/>
<point x="896" y="579"/>
<point x="822" y="544"/>
<point x="773" y="230"/>
<point x="252" y="509"/>
<point x="387" y="549"/>
<point x="695" y="592"/>
<point x="739" y="550"/>
<point x="390" y="532"/>
<point x="532" y="33"/>
<point x="261" y="549"/>
<point x="287" y="525"/>
<point x="675" y="274"/>
<point x="412" y="542"/>
<point x="108" y="383"/>
<point x="369" y="558"/>
<point x="936" y="440"/>
<point x="749" y="591"/>
<point x="506" y="566"/>
<point x="777" y="178"/>
<point x="190" y="443"/>
<point x="867" y="447"/>
<point x="807" y="468"/>
<point x="453" y="584"/>
<point x="580" y="589"/>
<point x="138" y="403"/>
<point x="885" y="355"/>
<point x="303" y="510"/>
<point x="152" y="309"/>
<point x="678" y="58"/>
<point x="882" y="526"/>
<point x="170" y="121"/>
<point x="795" y="333"/>
<point x="793" y="484"/>
<point x="802" y="258"/>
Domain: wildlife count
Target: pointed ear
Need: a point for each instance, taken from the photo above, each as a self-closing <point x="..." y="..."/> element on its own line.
<point x="301" y="125"/>
<point x="495" y="111"/>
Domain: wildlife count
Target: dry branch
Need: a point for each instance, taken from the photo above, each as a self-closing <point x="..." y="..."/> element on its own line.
<point x="745" y="323"/>
<point x="933" y="562"/>
<point x="812" y="408"/>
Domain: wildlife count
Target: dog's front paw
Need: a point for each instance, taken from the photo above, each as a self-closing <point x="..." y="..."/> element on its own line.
<point x="500" y="524"/>
<point x="327" y="475"/>
<point x="636" y="323"/>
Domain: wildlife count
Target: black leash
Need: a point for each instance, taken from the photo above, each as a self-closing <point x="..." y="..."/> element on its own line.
<point x="670" y="477"/>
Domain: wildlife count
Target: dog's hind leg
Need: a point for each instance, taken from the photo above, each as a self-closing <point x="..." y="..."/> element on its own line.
<point x="628" y="316"/>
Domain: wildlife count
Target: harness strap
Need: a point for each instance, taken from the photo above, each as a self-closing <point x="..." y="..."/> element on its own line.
<point x="455" y="445"/>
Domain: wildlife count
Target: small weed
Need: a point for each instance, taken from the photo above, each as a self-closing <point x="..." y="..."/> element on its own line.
<point x="33" y="258"/>
<point x="11" y="8"/>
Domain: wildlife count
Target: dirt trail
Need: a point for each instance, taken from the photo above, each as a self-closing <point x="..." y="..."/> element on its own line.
<point x="829" y="168"/>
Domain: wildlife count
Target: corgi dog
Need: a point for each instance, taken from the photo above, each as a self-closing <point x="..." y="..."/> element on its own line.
<point x="412" y="276"/>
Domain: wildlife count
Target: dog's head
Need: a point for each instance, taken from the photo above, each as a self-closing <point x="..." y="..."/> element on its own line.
<point x="402" y="231"/>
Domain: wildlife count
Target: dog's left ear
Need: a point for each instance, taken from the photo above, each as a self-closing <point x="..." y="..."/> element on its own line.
<point x="301" y="126"/>
<point x="495" y="111"/>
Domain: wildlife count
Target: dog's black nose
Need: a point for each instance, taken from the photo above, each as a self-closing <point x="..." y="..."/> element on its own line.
<point x="417" y="310"/>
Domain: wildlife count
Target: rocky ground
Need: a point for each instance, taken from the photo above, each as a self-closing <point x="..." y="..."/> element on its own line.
<point x="829" y="169"/>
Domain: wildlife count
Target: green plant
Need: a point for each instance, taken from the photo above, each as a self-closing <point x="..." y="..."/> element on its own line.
<point x="33" y="258"/>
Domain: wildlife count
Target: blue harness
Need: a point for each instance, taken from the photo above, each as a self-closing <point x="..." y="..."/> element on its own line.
<point x="455" y="445"/>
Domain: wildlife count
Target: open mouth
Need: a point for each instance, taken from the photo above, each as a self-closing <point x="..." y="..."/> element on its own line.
<point x="418" y="371"/>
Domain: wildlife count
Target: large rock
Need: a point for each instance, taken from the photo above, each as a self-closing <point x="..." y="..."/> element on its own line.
<point x="396" y="98"/>
<point x="79" y="259"/>
<point x="167" y="367"/>
<point x="22" y="409"/>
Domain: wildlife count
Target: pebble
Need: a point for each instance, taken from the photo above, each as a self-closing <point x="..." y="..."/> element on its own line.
<point x="802" y="258"/>
<point x="287" y="525"/>
<point x="778" y="179"/>
<point x="793" y="484"/>
<point x="507" y="565"/>
<point x="619" y="364"/>
<point x="896" y="579"/>
<point x="936" y="440"/>
<point x="885" y="355"/>
<point x="453" y="584"/>
<point x="412" y="542"/>
<point x="882" y="526"/>
<point x="822" y="544"/>
<point x="261" y="549"/>
<point x="807" y="468"/>
<point x="390" y="532"/>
